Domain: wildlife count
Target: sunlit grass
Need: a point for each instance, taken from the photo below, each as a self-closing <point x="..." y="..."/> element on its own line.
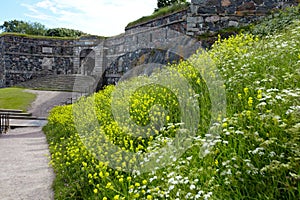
<point x="15" y="98"/>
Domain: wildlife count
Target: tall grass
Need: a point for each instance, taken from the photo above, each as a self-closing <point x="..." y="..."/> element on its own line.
<point x="256" y="155"/>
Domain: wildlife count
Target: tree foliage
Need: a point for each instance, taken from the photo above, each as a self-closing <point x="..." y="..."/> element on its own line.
<point x="165" y="3"/>
<point x="35" y="28"/>
<point x="64" y="32"/>
<point x="18" y="26"/>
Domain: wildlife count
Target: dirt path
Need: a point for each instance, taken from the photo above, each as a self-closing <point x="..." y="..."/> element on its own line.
<point x="24" y="164"/>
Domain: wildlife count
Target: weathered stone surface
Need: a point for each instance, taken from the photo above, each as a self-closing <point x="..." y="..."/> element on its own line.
<point x="258" y="2"/>
<point x="179" y="17"/>
<point x="223" y="19"/>
<point x="225" y="3"/>
<point x="207" y="10"/>
<point x="198" y="1"/>
<point x="191" y="25"/>
<point x="213" y="18"/>
<point x="233" y="24"/>
<point x="193" y="20"/>
<point x="246" y="6"/>
<point x="212" y="2"/>
<point x="194" y="8"/>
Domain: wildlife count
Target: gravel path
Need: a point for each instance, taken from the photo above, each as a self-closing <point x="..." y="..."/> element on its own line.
<point x="24" y="156"/>
<point x="46" y="100"/>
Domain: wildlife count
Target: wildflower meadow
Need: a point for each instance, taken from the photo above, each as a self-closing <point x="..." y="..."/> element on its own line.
<point x="248" y="148"/>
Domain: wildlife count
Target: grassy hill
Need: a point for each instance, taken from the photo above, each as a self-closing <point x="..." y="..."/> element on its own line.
<point x="251" y="152"/>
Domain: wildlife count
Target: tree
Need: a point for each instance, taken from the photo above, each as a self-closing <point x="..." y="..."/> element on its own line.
<point x="64" y="32"/>
<point x="36" y="28"/>
<point x="165" y="3"/>
<point x="19" y="26"/>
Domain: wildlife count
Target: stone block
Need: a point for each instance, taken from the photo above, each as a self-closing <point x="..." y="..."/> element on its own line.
<point x="246" y="6"/>
<point x="258" y="2"/>
<point x="191" y="25"/>
<point x="212" y="19"/>
<point x="224" y="19"/>
<point x="193" y="29"/>
<point x="198" y="1"/>
<point x="225" y="3"/>
<point x="261" y="10"/>
<point x="200" y="25"/>
<point x="194" y="20"/>
<point x="233" y="24"/>
<point x="207" y="10"/>
<point x="190" y="33"/>
<point x="245" y="13"/>
<point x="191" y="20"/>
<point x="212" y="2"/>
<point x="194" y="8"/>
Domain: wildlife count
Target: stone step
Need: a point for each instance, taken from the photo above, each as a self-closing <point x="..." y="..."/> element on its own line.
<point x="18" y="119"/>
<point x="77" y="83"/>
<point x="17" y="114"/>
<point x="10" y="110"/>
<point x="18" y="123"/>
<point x="22" y="117"/>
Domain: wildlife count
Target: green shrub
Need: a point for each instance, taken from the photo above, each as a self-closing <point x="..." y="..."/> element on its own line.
<point x="277" y="21"/>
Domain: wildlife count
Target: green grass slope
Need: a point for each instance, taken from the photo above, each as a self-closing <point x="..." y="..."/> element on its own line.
<point x="15" y="98"/>
<point x="256" y="154"/>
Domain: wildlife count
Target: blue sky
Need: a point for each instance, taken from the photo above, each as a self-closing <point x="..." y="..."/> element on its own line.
<point x="99" y="17"/>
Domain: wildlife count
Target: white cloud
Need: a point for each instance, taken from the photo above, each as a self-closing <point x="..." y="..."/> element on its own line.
<point x="101" y="17"/>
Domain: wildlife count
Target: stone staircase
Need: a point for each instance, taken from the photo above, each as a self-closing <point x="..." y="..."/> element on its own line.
<point x="75" y="82"/>
<point x="18" y="118"/>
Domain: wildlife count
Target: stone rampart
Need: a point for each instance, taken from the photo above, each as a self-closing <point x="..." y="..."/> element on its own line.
<point x="209" y="16"/>
<point x="23" y="58"/>
<point x="158" y="41"/>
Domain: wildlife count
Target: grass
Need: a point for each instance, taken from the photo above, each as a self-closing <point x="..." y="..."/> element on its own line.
<point x="15" y="98"/>
<point x="49" y="37"/>
<point x="276" y="21"/>
<point x="159" y="13"/>
<point x="36" y="36"/>
<point x="254" y="155"/>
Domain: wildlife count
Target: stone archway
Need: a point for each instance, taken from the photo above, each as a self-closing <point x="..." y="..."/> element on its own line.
<point x="140" y="62"/>
<point x="87" y="61"/>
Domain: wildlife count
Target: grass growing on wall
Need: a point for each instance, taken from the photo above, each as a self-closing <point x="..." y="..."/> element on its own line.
<point x="36" y="36"/>
<point x="49" y="37"/>
<point x="161" y="12"/>
<point x="276" y="21"/>
<point x="15" y="98"/>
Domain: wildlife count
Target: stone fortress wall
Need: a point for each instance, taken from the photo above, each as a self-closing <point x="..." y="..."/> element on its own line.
<point x="160" y="40"/>
<point x="23" y="58"/>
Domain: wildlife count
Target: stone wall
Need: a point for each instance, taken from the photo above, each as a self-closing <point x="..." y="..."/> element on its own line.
<point x="88" y="55"/>
<point x="145" y="46"/>
<point x="210" y="16"/>
<point x="156" y="42"/>
<point x="175" y="21"/>
<point x="23" y="58"/>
